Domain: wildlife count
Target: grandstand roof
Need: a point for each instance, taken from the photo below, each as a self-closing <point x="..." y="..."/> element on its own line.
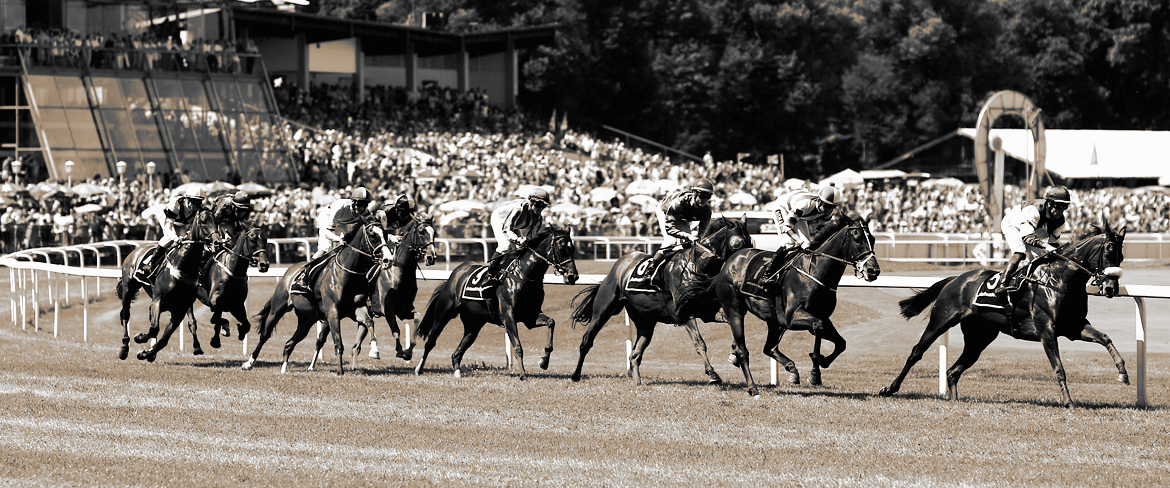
<point x="1092" y="153"/>
<point x="380" y="38"/>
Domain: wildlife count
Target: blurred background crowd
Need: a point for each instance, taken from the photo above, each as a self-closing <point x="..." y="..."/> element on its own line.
<point x="459" y="157"/>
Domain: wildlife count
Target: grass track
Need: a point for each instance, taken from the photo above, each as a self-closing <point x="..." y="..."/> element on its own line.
<point x="75" y="415"/>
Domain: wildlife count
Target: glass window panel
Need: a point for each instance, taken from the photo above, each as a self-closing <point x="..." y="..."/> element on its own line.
<point x="108" y="93"/>
<point x="248" y="163"/>
<point x="145" y="130"/>
<point x="44" y="91"/>
<point x="72" y="92"/>
<point x="216" y="166"/>
<point x="85" y="135"/>
<point x="161" y="166"/>
<point x="135" y="92"/>
<point x="169" y="95"/>
<point x="55" y="128"/>
<point x="27" y="130"/>
<point x="179" y="124"/>
<point x="253" y="97"/>
<point x="206" y="131"/>
<point x="195" y="95"/>
<point x="190" y="165"/>
<point x="229" y="96"/>
<point x="87" y="164"/>
<point x="9" y="87"/>
<point x="117" y="123"/>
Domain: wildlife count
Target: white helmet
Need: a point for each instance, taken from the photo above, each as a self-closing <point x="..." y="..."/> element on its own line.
<point x="195" y="192"/>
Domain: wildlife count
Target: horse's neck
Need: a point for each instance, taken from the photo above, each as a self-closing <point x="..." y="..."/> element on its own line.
<point x="826" y="269"/>
<point x="531" y="267"/>
<point x="1057" y="269"/>
<point x="191" y="258"/>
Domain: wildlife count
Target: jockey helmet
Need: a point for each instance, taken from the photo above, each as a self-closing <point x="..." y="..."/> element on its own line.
<point x="195" y="192"/>
<point x="541" y="197"/>
<point x="704" y="185"/>
<point x="1058" y="194"/>
<point x="360" y="194"/>
<point x="240" y="199"/>
<point x="829" y="195"/>
<point x="404" y="202"/>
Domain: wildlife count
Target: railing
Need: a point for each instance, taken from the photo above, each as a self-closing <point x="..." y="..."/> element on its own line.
<point x="25" y="294"/>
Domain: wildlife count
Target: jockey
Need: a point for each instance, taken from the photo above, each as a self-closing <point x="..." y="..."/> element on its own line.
<point x="229" y="213"/>
<point x="179" y="210"/>
<point x="393" y="220"/>
<point x="333" y="222"/>
<point x="799" y="214"/>
<point x="1031" y="226"/>
<point x="675" y="214"/>
<point x="513" y="223"/>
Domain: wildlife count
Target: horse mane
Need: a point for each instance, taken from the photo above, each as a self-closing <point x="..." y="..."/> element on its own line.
<point x="839" y="219"/>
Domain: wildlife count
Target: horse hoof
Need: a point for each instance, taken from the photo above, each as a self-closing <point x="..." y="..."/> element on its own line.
<point x="458" y="373"/>
<point x="1123" y="378"/>
<point x="140" y="338"/>
<point x="197" y="352"/>
<point x="242" y="331"/>
<point x="150" y="358"/>
<point x="227" y="331"/>
<point x="544" y="363"/>
<point x="814" y="379"/>
<point x="714" y="379"/>
<point x="754" y="393"/>
<point x="404" y="355"/>
<point x="214" y="341"/>
<point x="247" y="366"/>
<point x="123" y="353"/>
<point x="575" y="378"/>
<point x="885" y="392"/>
<point x="141" y="355"/>
<point x="794" y="378"/>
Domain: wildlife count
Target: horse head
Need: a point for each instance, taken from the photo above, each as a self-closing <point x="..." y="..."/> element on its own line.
<point x="418" y="241"/>
<point x="253" y="245"/>
<point x="1099" y="252"/>
<point x="369" y="239"/>
<point x="724" y="237"/>
<point x="555" y="246"/>
<point x="846" y="237"/>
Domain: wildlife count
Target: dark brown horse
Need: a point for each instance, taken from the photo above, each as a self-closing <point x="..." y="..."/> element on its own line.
<point x="339" y="289"/>
<point x="173" y="289"/>
<point x="418" y="243"/>
<point x="518" y="298"/>
<point x="223" y="285"/>
<point x="686" y="271"/>
<point x="806" y="297"/>
<point x="1050" y="303"/>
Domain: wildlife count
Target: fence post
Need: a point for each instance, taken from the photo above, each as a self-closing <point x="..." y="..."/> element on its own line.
<point x="84" y="310"/>
<point x="943" y="343"/>
<point x="1140" y="369"/>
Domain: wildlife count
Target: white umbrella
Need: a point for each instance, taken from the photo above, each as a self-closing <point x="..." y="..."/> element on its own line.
<point x="945" y="182"/>
<point x="447" y="218"/>
<point x="667" y="185"/>
<point x="772" y="205"/>
<point x="844" y="178"/>
<point x="525" y="190"/>
<point x="89" y="207"/>
<point x="154" y="211"/>
<point x="565" y="208"/>
<point x="465" y="205"/>
<point x="602" y="194"/>
<point x="178" y="189"/>
<point x="647" y="202"/>
<point x="741" y="198"/>
<point x="590" y="211"/>
<point x="642" y="187"/>
<point x="794" y="183"/>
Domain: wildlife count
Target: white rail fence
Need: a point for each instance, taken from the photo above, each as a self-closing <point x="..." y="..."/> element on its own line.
<point x="25" y="278"/>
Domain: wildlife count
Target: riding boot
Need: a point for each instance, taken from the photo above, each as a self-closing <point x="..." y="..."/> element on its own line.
<point x="659" y="256"/>
<point x="771" y="272"/>
<point x="147" y="268"/>
<point x="493" y="272"/>
<point x="1013" y="263"/>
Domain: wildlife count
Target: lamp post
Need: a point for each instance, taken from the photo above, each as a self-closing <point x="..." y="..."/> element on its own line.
<point x="150" y="176"/>
<point x="16" y="171"/>
<point x="121" y="184"/>
<point x="69" y="172"/>
<point x="121" y="171"/>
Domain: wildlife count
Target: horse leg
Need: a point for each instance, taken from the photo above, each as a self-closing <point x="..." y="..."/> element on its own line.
<point x="176" y="321"/>
<point x="544" y="320"/>
<point x="196" y="349"/>
<point x="776" y="331"/>
<point x="701" y="348"/>
<point x="1091" y="334"/>
<point x="365" y="323"/>
<point x="276" y="307"/>
<point x="338" y="345"/>
<point x="471" y="329"/>
<point x="1052" y="350"/>
<point x="439" y="312"/>
<point x="152" y="332"/>
<point x="739" y="351"/>
<point x="322" y="336"/>
<point x="829" y="333"/>
<point x="217" y="322"/>
<point x="940" y="322"/>
<point x="645" y="328"/>
<point x="305" y="320"/>
<point x="511" y="329"/>
<point x="975" y="341"/>
<point x="604" y="307"/>
<point x="243" y="325"/>
<point x="128" y="292"/>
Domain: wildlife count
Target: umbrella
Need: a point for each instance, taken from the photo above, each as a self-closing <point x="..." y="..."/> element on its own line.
<point x="494" y="205"/>
<point x="11" y="188"/>
<point x="844" y="178"/>
<point x="219" y="187"/>
<point x="772" y="205"/>
<point x="8" y="202"/>
<point x="794" y="183"/>
<point x="667" y="185"/>
<point x="602" y="194"/>
<point x="84" y="190"/>
<point x="466" y="205"/>
<point x="647" y="202"/>
<point x="429" y="173"/>
<point x="181" y="189"/>
<point x="447" y="218"/>
<point x="945" y="182"/>
<point x="642" y="187"/>
<point x="470" y="173"/>
<point x="254" y="189"/>
<point x="591" y="211"/>
<point x="741" y="198"/>
<point x="525" y="190"/>
<point x="47" y="189"/>
<point x="154" y="212"/>
<point x="89" y="207"/>
<point x="565" y="208"/>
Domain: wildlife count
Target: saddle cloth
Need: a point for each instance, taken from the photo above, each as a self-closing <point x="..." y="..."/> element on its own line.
<point x="642" y="278"/>
<point x="753" y="274"/>
<point x="473" y="288"/>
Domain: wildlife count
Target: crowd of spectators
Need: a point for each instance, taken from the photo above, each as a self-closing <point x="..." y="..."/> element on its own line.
<point x="143" y="51"/>
<point x="459" y="158"/>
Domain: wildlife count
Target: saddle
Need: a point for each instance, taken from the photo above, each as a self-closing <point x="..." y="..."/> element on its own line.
<point x="647" y="280"/>
<point x="752" y="276"/>
<point x="985" y="297"/>
<point x="474" y="289"/>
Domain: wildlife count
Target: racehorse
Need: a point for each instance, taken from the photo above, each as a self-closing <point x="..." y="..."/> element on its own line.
<point x="597" y="303"/>
<point x="172" y="290"/>
<point x="518" y="298"/>
<point x="1051" y="302"/>
<point x="340" y="288"/>
<point x="807" y="297"/>
<point x="223" y="284"/>
<point x="418" y="242"/>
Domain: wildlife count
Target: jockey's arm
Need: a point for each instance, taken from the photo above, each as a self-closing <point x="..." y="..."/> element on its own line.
<point x="329" y="234"/>
<point x="673" y="229"/>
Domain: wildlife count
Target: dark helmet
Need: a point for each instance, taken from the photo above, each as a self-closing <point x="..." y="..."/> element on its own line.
<point x="704" y="185"/>
<point x="241" y="199"/>
<point x="404" y="202"/>
<point x="829" y="195"/>
<point x="540" y="196"/>
<point x="1058" y="194"/>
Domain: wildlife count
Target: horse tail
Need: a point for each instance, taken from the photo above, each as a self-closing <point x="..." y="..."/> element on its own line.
<point x="261" y="318"/>
<point x="915" y="304"/>
<point x="428" y="321"/>
<point x="118" y="290"/>
<point x="582" y="305"/>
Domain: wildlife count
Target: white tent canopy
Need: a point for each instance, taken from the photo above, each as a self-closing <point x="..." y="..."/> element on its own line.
<point x="844" y="178"/>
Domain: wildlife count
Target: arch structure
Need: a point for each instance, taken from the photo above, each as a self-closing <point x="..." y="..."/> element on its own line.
<point x="990" y="173"/>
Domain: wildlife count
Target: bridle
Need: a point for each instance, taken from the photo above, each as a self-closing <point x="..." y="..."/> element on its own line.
<point x="252" y="234"/>
<point x="365" y="232"/>
<point x="560" y="266"/>
<point x="705" y="243"/>
<point x="858" y="261"/>
<point x="1102" y="272"/>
